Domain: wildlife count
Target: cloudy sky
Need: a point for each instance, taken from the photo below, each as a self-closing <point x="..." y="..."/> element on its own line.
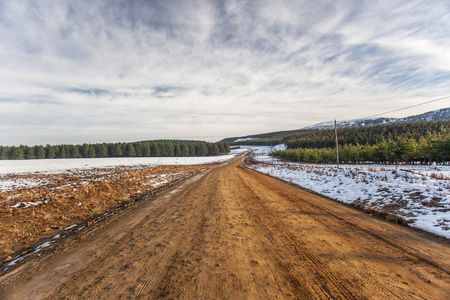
<point x="105" y="71"/>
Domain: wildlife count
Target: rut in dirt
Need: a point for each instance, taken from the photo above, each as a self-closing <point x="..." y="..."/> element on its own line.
<point x="233" y="233"/>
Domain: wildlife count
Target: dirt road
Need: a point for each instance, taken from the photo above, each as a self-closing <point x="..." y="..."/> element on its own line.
<point x="233" y="233"/>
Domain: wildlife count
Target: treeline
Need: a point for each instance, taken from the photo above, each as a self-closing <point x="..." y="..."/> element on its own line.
<point x="409" y="150"/>
<point x="366" y="135"/>
<point x="158" y="148"/>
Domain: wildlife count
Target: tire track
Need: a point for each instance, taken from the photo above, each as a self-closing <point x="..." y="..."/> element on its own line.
<point x="332" y="287"/>
<point x="348" y="222"/>
<point x="269" y="191"/>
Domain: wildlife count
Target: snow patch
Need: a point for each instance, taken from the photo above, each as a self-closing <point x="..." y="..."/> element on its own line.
<point x="245" y="139"/>
<point x="263" y="150"/>
<point x="411" y="192"/>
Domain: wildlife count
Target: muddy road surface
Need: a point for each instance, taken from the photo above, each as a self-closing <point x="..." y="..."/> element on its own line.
<point x="233" y="233"/>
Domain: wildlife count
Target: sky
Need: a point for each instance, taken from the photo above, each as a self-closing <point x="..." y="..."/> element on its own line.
<point x="109" y="71"/>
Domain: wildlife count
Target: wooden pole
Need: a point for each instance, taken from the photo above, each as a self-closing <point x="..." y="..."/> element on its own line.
<point x="271" y="150"/>
<point x="337" y="143"/>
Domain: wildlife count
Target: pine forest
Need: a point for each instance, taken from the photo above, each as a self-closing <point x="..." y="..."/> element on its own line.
<point x="412" y="142"/>
<point x="157" y="148"/>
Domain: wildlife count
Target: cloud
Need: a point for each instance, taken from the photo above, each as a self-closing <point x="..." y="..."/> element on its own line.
<point x="135" y="70"/>
<point x="92" y="92"/>
<point x="166" y="91"/>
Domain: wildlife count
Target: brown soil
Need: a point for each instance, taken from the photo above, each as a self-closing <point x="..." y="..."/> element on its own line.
<point x="233" y="233"/>
<point x="68" y="198"/>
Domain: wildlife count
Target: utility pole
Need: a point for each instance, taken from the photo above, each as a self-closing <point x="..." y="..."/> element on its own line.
<point x="271" y="151"/>
<point x="337" y="143"/>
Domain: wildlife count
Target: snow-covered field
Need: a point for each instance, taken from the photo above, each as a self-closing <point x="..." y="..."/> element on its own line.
<point x="62" y="165"/>
<point x="418" y="194"/>
<point x="18" y="174"/>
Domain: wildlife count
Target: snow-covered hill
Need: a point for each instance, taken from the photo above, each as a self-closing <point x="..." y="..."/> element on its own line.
<point x="435" y="115"/>
<point x="353" y="123"/>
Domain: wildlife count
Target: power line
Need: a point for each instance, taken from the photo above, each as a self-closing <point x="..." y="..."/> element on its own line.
<point x="434" y="100"/>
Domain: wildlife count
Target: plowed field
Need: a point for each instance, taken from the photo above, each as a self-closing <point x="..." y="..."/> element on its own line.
<point x="233" y="233"/>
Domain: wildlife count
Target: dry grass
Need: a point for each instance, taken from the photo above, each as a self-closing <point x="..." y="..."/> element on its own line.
<point x="439" y="176"/>
<point x="70" y="198"/>
<point x="380" y="213"/>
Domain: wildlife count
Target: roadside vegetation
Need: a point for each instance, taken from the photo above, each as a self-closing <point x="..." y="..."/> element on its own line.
<point x="157" y="148"/>
<point x="405" y="142"/>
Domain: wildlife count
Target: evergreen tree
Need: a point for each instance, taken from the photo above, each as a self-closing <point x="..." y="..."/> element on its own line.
<point x="111" y="149"/>
<point x="424" y="151"/>
<point x="214" y="150"/>
<point x="101" y="150"/>
<point x="381" y="152"/>
<point x="117" y="150"/>
<point x="91" y="151"/>
<point x="177" y="150"/>
<point x="74" y="152"/>
<point x="169" y="150"/>
<point x="50" y="151"/>
<point x="221" y="148"/>
<point x="191" y="150"/>
<point x="84" y="150"/>
<point x="129" y="150"/>
<point x="40" y="152"/>
<point x="406" y="148"/>
<point x="184" y="150"/>
<point x="3" y="153"/>
<point x="203" y="150"/>
<point x="17" y="153"/>
<point x="139" y="149"/>
<point x="29" y="153"/>
<point x="146" y="149"/>
<point x="440" y="148"/>
<point x="62" y="152"/>
<point x="155" y="150"/>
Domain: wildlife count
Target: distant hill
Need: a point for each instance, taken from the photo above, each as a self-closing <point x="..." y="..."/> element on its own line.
<point x="435" y="115"/>
<point x="278" y="136"/>
<point x="271" y="138"/>
<point x="352" y="123"/>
